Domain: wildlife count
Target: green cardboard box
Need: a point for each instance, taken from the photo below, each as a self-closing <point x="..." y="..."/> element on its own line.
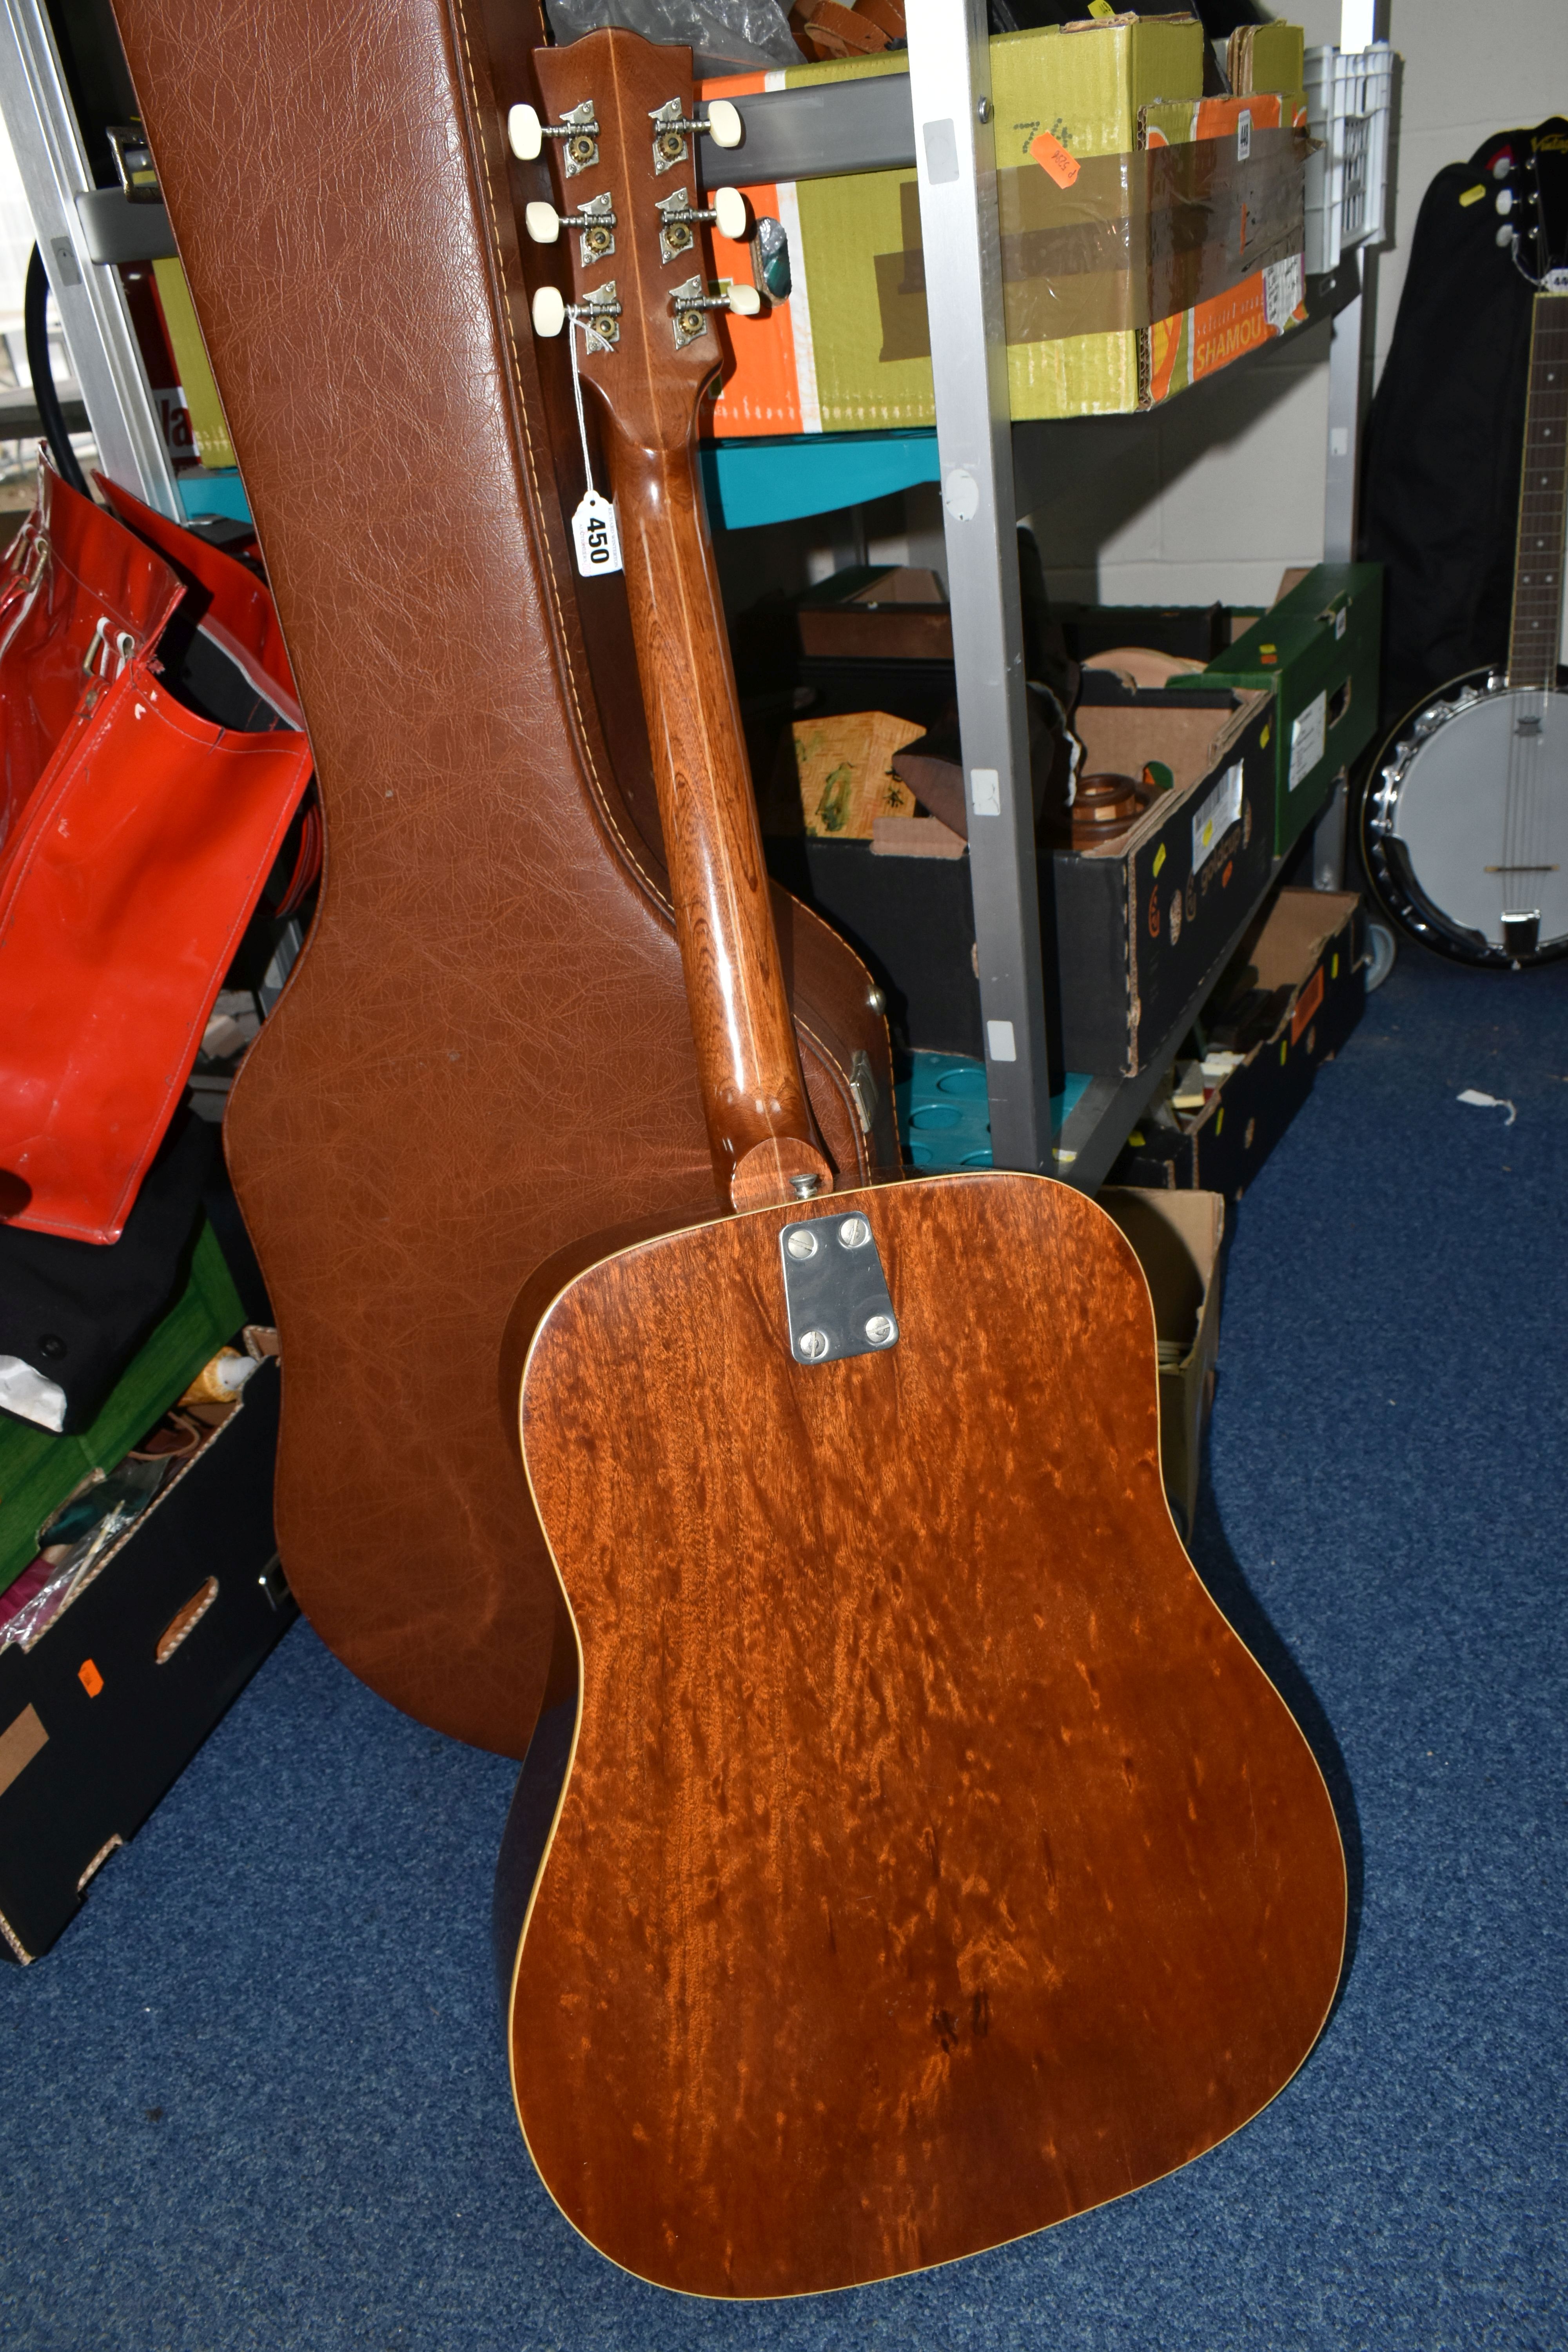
<point x="1318" y="650"/>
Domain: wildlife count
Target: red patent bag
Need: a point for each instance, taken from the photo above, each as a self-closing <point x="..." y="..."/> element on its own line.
<point x="136" y="835"/>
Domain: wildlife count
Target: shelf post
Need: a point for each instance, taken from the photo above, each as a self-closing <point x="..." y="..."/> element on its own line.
<point x="950" y="87"/>
<point x="54" y="168"/>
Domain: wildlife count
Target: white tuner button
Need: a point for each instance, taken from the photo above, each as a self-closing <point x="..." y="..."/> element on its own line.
<point x="525" y="135"/>
<point x="746" y="301"/>
<point x="543" y="223"/>
<point x="724" y="125"/>
<point x="732" y="215"/>
<point x="549" y="311"/>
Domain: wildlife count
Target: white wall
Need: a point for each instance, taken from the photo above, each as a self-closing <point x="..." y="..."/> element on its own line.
<point x="1218" y="494"/>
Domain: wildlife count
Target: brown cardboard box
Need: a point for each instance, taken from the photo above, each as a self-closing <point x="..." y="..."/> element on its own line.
<point x="1179" y="1238"/>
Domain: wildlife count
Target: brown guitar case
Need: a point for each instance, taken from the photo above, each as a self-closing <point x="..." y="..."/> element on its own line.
<point x="485" y="1051"/>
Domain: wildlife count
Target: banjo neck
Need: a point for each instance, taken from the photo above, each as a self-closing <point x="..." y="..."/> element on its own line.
<point x="1536" y="630"/>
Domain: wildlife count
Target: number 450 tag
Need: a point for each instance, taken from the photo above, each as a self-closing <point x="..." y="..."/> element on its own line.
<point x="598" y="541"/>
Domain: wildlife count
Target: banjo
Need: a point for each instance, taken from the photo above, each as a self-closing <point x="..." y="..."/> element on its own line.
<point x="1464" y="822"/>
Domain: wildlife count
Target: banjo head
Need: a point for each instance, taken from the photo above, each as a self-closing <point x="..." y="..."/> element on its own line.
<point x="1466" y="822"/>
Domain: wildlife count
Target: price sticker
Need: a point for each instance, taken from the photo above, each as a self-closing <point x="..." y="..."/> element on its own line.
<point x="598" y="543"/>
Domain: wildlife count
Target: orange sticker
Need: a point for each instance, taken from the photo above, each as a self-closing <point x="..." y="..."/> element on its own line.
<point x="1311" y="997"/>
<point x="90" y="1678"/>
<point x="1053" y="159"/>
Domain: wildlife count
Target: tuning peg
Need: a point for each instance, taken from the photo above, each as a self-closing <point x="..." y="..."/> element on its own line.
<point x="723" y="125"/>
<point x="526" y="135"/>
<point x="742" y="301"/>
<point x="597" y="316"/>
<point x="597" y="220"/>
<point x="729" y="213"/>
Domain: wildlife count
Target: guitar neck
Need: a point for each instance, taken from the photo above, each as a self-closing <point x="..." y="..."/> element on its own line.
<point x="754" y="1093"/>
<point x="648" y="372"/>
<point x="1536" y="632"/>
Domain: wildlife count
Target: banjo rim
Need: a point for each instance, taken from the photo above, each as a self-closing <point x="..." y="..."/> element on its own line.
<point x="1416" y="918"/>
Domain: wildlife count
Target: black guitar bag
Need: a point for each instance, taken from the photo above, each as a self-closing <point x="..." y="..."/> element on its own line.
<point x="1441" y="485"/>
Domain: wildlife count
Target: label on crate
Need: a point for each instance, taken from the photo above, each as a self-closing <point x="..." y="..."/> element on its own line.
<point x="1283" y="289"/>
<point x="1308" y="736"/>
<point x="1218" y="814"/>
<point x="598" y="540"/>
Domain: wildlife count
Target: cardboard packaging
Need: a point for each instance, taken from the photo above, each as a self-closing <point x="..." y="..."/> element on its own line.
<point x="838" y="767"/>
<point x="1179" y="1238"/>
<point x="105" y="1710"/>
<point x="1317" y="650"/>
<point x="1108" y="154"/>
<point x="1138" y="924"/>
<point x="1307" y="946"/>
<point x="1143" y="922"/>
<point x="875" y="612"/>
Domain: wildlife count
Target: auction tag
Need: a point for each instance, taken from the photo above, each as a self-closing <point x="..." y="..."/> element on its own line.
<point x="1054" y="159"/>
<point x="598" y="543"/>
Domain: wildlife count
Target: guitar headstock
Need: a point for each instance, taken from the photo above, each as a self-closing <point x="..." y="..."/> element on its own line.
<point x="623" y="125"/>
<point x="1531" y="173"/>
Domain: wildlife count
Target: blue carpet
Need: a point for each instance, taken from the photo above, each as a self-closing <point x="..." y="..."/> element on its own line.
<point x="256" y="2098"/>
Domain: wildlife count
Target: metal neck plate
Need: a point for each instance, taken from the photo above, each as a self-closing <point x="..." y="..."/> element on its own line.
<point x="835" y="1290"/>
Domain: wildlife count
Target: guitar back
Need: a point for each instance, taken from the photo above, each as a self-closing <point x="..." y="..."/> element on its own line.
<point x="934" y="1862"/>
<point x="486" y="1048"/>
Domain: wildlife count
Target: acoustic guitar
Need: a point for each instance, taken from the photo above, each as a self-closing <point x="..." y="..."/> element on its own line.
<point x="1465" y="819"/>
<point x="923" y="1858"/>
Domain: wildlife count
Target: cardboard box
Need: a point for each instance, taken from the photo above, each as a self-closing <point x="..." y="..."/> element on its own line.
<point x="911" y="922"/>
<point x="1309" y="947"/>
<point x="876" y="612"/>
<point x="1140" y="923"/>
<point x="1112" y="303"/>
<point x="105" y="1710"/>
<point x="1317" y="650"/>
<point x="1179" y="1238"/>
<point x="839" y="768"/>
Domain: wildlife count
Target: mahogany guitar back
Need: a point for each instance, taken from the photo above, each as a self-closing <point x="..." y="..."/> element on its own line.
<point x="487" y="1048"/>
<point x="934" y="1861"/>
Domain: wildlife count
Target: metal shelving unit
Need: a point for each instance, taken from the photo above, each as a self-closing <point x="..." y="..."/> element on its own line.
<point x="79" y="229"/>
<point x="956" y="163"/>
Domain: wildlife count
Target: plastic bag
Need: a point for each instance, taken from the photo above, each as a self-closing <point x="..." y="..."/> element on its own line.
<point x="80" y="1536"/>
<point x="724" y="35"/>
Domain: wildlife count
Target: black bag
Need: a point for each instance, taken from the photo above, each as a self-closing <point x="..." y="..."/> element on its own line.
<point x="1445" y="438"/>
